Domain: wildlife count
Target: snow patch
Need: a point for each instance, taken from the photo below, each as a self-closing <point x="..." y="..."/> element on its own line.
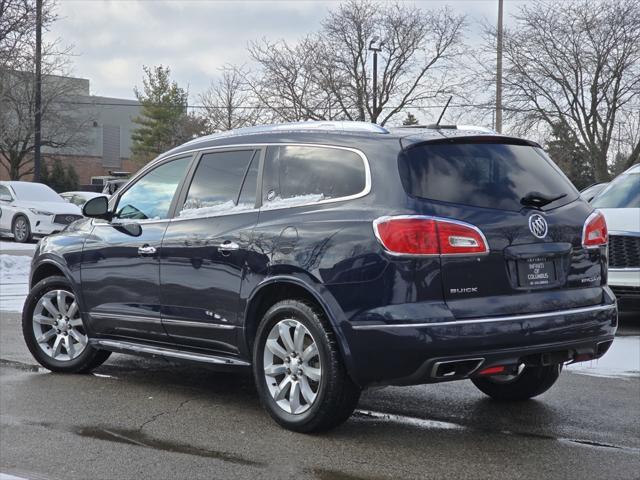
<point x="621" y="361"/>
<point x="14" y="281"/>
<point x="279" y="202"/>
<point x="226" y="207"/>
<point x="14" y="246"/>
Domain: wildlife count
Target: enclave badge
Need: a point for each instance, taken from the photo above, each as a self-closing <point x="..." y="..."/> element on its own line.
<point x="538" y="225"/>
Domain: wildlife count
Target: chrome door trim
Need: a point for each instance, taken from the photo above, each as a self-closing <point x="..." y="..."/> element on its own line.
<point x="509" y="318"/>
<point x="188" y="323"/>
<point x="131" y="318"/>
<point x="167" y="352"/>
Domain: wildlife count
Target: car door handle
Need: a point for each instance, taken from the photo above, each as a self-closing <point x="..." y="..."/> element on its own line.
<point x="146" y="251"/>
<point x="228" y="246"/>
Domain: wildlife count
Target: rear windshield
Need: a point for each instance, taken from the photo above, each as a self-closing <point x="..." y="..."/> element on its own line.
<point x="483" y="174"/>
<point x="623" y="192"/>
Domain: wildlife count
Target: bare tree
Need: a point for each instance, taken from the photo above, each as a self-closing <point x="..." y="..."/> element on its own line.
<point x="229" y="102"/>
<point x="62" y="127"/>
<point x="328" y="75"/>
<point x="575" y="65"/>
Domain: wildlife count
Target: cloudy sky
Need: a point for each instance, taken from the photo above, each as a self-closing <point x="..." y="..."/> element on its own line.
<point x="114" y="38"/>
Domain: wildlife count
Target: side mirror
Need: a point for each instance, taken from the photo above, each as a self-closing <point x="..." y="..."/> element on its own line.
<point x="97" y="207"/>
<point x="5" y="198"/>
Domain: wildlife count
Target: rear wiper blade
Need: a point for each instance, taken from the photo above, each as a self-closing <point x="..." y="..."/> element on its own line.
<point x="537" y="199"/>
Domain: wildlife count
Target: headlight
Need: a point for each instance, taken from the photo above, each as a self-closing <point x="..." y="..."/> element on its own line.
<point x="40" y="212"/>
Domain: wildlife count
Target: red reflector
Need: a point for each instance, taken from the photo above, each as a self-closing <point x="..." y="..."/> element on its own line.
<point x="594" y="232"/>
<point x="492" y="370"/>
<point x="429" y="236"/>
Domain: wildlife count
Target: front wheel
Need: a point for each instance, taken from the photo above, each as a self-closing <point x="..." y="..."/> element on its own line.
<point x="528" y="383"/>
<point x="54" y="331"/>
<point x="21" y="229"/>
<point x="298" y="369"/>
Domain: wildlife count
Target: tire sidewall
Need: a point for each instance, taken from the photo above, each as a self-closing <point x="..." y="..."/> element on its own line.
<point x="41" y="288"/>
<point x="27" y="225"/>
<point x="302" y="313"/>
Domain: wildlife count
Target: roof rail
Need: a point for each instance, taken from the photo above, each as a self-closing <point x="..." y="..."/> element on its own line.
<point x="433" y="126"/>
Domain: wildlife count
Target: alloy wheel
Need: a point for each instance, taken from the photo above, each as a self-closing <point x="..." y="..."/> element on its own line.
<point x="292" y="368"/>
<point x="20" y="229"/>
<point x="57" y="326"/>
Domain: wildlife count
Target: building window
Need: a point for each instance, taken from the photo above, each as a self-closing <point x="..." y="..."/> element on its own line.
<point x="111" y="146"/>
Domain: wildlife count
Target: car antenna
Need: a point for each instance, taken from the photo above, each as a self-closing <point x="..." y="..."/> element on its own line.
<point x="444" y="110"/>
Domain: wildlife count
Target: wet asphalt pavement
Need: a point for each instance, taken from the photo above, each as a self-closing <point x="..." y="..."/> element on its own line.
<point x="139" y="418"/>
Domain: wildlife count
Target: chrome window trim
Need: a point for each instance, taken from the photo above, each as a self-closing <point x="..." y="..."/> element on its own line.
<point x="528" y="316"/>
<point x="385" y="218"/>
<point x="364" y="192"/>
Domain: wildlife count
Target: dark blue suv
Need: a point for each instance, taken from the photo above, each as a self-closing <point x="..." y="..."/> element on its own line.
<point x="331" y="257"/>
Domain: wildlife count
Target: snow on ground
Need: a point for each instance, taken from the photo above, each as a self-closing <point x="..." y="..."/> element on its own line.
<point x="14" y="281"/>
<point x="10" y="245"/>
<point x="622" y="360"/>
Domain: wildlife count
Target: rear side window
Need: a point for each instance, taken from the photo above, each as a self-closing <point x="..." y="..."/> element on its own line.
<point x="297" y="175"/>
<point x="483" y="175"/>
<point x="216" y="183"/>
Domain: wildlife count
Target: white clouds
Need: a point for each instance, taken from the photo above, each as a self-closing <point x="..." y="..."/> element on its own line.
<point x="195" y="38"/>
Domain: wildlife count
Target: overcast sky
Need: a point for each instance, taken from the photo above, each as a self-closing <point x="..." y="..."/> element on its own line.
<point x="114" y="38"/>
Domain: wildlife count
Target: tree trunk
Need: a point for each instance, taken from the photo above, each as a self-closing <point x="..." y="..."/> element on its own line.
<point x="600" y="166"/>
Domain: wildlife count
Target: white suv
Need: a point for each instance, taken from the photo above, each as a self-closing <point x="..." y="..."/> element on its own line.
<point x="620" y="204"/>
<point x="30" y="210"/>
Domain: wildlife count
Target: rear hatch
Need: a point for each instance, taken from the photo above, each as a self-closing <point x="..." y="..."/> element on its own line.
<point x="530" y="215"/>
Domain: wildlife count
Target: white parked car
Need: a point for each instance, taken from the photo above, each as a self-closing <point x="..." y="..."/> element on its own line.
<point x="620" y="204"/>
<point x="30" y="210"/>
<point x="80" y="198"/>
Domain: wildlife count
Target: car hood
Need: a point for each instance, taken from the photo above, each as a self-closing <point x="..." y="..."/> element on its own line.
<point x="53" y="207"/>
<point x="622" y="219"/>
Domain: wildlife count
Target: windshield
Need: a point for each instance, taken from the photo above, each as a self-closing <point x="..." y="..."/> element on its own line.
<point x="489" y="175"/>
<point x="623" y="192"/>
<point x="35" y="192"/>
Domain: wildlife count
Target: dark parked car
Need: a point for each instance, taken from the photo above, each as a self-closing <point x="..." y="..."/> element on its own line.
<point x="331" y="257"/>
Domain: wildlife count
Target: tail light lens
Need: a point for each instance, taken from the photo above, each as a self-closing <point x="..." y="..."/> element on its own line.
<point x="594" y="233"/>
<point x="429" y="236"/>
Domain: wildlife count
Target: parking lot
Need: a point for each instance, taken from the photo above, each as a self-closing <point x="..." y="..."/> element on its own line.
<point x="151" y="418"/>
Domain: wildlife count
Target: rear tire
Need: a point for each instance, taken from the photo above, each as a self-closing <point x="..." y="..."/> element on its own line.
<point x="21" y="229"/>
<point x="305" y="387"/>
<point x="531" y="382"/>
<point x="53" y="329"/>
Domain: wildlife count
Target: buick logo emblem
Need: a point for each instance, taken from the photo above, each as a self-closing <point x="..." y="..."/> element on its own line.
<point x="538" y="225"/>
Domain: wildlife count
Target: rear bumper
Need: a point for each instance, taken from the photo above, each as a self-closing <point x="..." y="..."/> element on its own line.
<point x="404" y="354"/>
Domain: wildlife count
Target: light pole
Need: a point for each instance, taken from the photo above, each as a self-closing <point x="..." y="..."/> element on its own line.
<point x="375" y="45"/>
<point x="38" y="94"/>
<point x="499" y="71"/>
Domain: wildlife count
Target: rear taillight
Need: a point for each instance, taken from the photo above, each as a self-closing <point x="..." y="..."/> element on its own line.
<point x="594" y="232"/>
<point x="418" y="235"/>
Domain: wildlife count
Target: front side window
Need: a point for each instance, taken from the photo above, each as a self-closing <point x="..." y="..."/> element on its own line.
<point x="623" y="192"/>
<point x="297" y="175"/>
<point x="216" y="183"/>
<point x="151" y="196"/>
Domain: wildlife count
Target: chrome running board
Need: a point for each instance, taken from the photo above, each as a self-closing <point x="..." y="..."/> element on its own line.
<point x="127" y="347"/>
